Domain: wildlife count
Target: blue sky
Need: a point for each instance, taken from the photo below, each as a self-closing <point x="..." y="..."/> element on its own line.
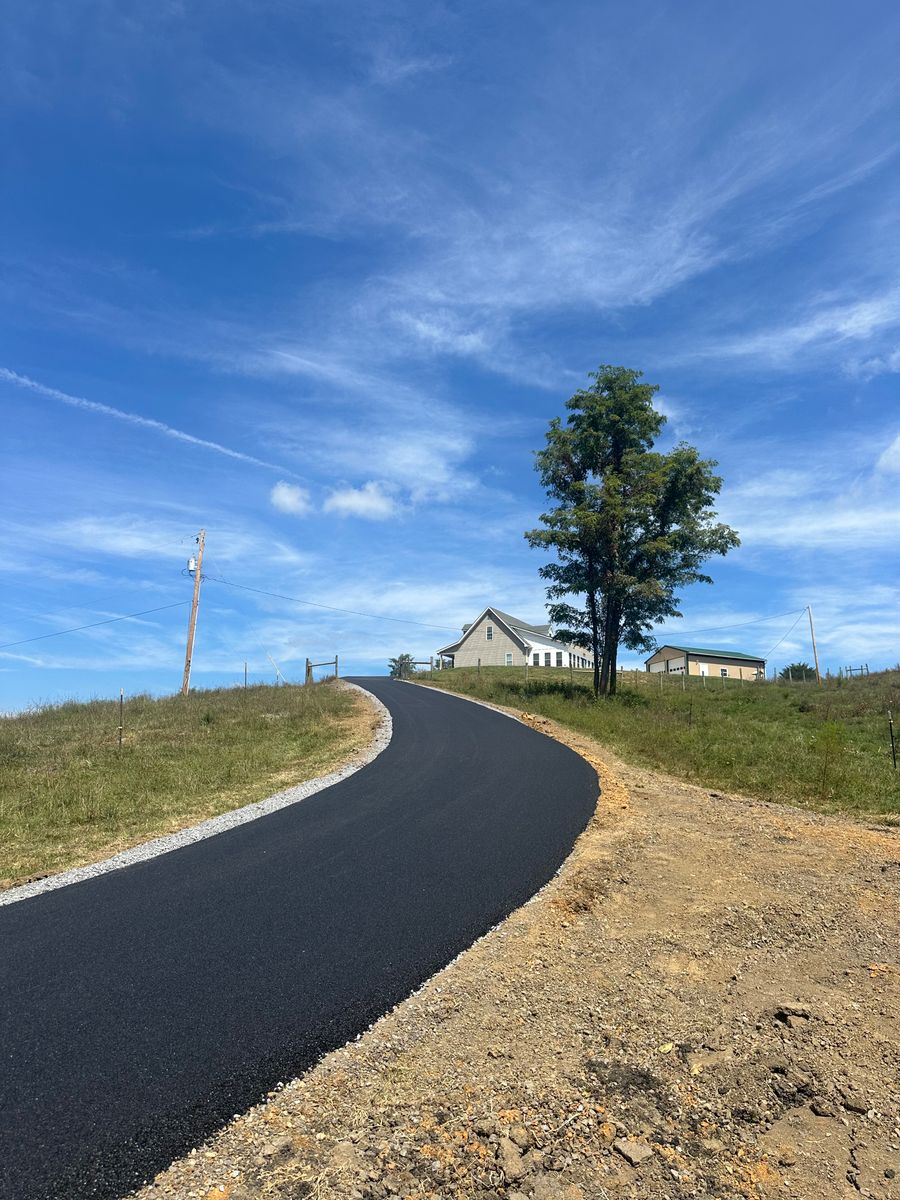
<point x="316" y="277"/>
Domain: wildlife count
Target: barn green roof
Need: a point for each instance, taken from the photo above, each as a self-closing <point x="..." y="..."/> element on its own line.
<point x="710" y="653"/>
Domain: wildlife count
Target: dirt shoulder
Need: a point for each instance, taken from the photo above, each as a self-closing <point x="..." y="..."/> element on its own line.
<point x="704" y="1002"/>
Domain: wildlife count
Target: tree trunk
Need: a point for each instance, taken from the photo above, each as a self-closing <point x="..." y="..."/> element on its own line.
<point x="608" y="638"/>
<point x="595" y="639"/>
<point x="614" y="654"/>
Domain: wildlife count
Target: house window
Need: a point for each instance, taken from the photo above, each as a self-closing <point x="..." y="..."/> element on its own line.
<point x="559" y="658"/>
<point x="537" y="659"/>
<point x="489" y="633"/>
<point x="508" y="659"/>
<point x="547" y="659"/>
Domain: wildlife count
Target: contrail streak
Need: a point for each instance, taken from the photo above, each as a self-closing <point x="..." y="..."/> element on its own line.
<point x="105" y="410"/>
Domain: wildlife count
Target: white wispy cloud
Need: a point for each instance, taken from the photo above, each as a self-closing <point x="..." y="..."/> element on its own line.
<point x="889" y="459"/>
<point x="390" y="68"/>
<point x="370" y="501"/>
<point x="105" y="410"/>
<point x="482" y="249"/>
<point x="835" y="503"/>
<point x="827" y="325"/>
<point x="154" y="540"/>
<point x="289" y="498"/>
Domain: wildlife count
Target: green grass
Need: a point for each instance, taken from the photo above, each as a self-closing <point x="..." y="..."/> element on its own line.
<point x="68" y="795"/>
<point x="822" y="748"/>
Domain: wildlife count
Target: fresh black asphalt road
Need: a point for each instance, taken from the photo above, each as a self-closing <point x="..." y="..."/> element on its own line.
<point x="140" y="1010"/>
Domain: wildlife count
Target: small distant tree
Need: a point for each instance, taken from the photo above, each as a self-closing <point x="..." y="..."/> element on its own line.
<point x="795" y="671"/>
<point x="629" y="525"/>
<point x="401" y="667"/>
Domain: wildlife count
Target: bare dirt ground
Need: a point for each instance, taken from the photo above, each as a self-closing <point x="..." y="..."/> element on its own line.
<point x="705" y="1002"/>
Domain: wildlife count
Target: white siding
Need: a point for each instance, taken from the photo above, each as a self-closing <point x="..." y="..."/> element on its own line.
<point x="492" y="652"/>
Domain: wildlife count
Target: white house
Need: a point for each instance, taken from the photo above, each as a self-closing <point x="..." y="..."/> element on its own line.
<point x="497" y="639"/>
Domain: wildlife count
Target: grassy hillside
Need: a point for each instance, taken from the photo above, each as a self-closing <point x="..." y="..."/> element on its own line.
<point x="68" y="795"/>
<point x="825" y="748"/>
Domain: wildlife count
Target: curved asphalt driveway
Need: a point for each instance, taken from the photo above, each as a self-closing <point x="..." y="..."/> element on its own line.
<point x="140" y="1010"/>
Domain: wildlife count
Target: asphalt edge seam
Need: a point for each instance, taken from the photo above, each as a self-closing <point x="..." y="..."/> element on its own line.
<point x="214" y="825"/>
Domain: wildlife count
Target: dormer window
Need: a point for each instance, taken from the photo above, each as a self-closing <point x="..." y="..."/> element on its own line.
<point x="489" y="633"/>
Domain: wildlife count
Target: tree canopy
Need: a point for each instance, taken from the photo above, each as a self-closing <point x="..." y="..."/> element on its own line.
<point x="629" y="525"/>
<point x="797" y="671"/>
<point x="401" y="667"/>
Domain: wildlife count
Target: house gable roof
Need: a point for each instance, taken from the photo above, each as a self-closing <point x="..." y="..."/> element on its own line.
<point x="515" y="623"/>
<point x="500" y="618"/>
<point x="707" y="653"/>
<point x="519" y="631"/>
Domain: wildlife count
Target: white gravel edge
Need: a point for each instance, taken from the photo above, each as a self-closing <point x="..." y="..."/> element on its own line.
<point x="206" y="829"/>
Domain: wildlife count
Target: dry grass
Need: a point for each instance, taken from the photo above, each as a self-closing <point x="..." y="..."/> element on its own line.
<point x="69" y="796"/>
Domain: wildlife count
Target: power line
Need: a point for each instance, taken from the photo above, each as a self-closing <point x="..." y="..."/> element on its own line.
<point x="329" y="607"/>
<point x="94" y="624"/>
<point x="788" y="634"/>
<point x="739" y="624"/>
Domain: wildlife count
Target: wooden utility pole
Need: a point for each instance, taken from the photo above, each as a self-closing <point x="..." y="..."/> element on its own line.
<point x="192" y="624"/>
<point x="812" y="634"/>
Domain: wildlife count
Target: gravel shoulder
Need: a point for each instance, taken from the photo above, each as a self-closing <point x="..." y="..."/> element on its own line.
<point x="85" y="849"/>
<point x="704" y="1002"/>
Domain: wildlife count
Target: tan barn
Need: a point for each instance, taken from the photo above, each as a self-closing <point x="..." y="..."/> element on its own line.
<point x="497" y="639"/>
<point x="691" y="660"/>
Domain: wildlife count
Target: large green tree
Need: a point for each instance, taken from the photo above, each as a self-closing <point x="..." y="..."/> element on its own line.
<point x="629" y="525"/>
